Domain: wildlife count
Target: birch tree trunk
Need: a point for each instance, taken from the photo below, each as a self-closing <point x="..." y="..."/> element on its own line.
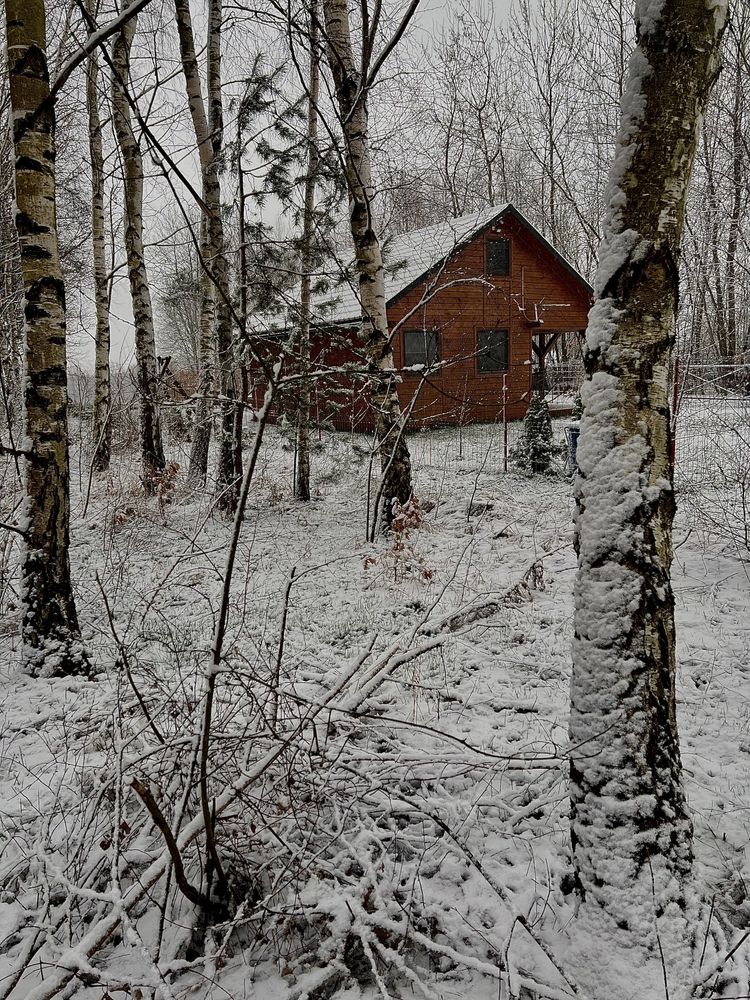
<point x="198" y="468"/>
<point x="152" y="451"/>
<point x="51" y="637"/>
<point x="102" y="424"/>
<point x="198" y="465"/>
<point x="302" y="478"/>
<point x="11" y="281"/>
<point x="630" y="828"/>
<point x="352" y="105"/>
<point x="229" y="473"/>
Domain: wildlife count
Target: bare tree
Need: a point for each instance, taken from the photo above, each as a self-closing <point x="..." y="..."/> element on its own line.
<point x="212" y="239"/>
<point x="630" y="828"/>
<point x="102" y="423"/>
<point x="51" y="636"/>
<point x="152" y="451"/>
<point x="352" y="84"/>
<point x="229" y="474"/>
<point x="302" y="480"/>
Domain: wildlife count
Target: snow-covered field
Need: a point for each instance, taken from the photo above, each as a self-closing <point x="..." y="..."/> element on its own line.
<point x="387" y="762"/>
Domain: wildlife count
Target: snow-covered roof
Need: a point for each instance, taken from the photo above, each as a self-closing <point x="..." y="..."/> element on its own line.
<point x="406" y="257"/>
<point x="410" y="256"/>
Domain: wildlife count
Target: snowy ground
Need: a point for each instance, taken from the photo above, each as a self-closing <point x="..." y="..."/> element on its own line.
<point x="402" y="816"/>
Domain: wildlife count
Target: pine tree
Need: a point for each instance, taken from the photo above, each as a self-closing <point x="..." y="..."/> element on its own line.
<point x="536" y="451"/>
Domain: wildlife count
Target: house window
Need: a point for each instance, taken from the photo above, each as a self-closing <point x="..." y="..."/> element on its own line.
<point x="492" y="351"/>
<point x="498" y="258"/>
<point x="420" y="348"/>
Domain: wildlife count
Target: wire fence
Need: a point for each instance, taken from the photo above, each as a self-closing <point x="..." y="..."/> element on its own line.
<point x="712" y="446"/>
<point x="712" y="450"/>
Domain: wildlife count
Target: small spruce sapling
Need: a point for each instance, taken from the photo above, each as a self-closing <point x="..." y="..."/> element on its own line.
<point x="536" y="451"/>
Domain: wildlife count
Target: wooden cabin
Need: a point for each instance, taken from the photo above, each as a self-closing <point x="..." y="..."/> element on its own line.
<point x="474" y="304"/>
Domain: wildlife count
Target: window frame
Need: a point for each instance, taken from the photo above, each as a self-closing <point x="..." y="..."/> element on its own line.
<point x="495" y="371"/>
<point x="427" y="364"/>
<point x="488" y="272"/>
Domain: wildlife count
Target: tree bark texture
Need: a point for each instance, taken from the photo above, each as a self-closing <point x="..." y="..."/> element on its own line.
<point x="198" y="468"/>
<point x="216" y="319"/>
<point x="102" y="422"/>
<point x="51" y="637"/>
<point x="302" y="478"/>
<point x="152" y="451"/>
<point x="198" y="465"/>
<point x="352" y="105"/>
<point x="229" y="473"/>
<point x="11" y="287"/>
<point x="630" y="828"/>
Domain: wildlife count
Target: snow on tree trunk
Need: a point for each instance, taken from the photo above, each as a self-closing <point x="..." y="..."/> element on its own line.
<point x="352" y="105"/>
<point x="102" y="424"/>
<point x="152" y="453"/>
<point x="51" y="637"/>
<point x="630" y="828"/>
<point x="302" y="479"/>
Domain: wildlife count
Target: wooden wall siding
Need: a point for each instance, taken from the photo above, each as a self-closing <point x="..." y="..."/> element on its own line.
<point x="451" y="302"/>
<point x="458" y="301"/>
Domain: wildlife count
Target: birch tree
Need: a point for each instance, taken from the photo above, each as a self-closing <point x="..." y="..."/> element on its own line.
<point x="152" y="451"/>
<point x="630" y="828"/>
<point x="11" y="284"/>
<point x="51" y="636"/>
<point x="202" y="431"/>
<point x="352" y="84"/>
<point x="102" y="424"/>
<point x="229" y="473"/>
<point x="302" y="478"/>
<point x="215" y="311"/>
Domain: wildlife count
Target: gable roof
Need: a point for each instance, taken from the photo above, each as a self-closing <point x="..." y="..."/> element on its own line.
<point x="410" y="257"/>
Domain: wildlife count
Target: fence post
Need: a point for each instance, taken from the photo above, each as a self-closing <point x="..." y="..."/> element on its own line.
<point x="675" y="401"/>
<point x="505" y="423"/>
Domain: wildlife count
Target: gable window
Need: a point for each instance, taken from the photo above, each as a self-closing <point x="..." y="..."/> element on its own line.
<point x="420" y="348"/>
<point x="492" y="351"/>
<point x="498" y="258"/>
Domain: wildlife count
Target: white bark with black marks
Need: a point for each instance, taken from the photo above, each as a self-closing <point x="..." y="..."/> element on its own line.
<point x="229" y="472"/>
<point x="198" y="468"/>
<point x="302" y="476"/>
<point x="152" y="451"/>
<point x="352" y="105"/>
<point x="102" y="423"/>
<point x="51" y="636"/>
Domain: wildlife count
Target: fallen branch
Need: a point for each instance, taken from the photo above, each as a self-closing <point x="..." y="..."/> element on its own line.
<point x="71" y="960"/>
<point x="532" y="579"/>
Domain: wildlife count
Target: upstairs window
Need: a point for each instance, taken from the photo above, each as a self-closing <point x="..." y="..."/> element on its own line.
<point x="492" y="351"/>
<point x="420" y="348"/>
<point x="498" y="258"/>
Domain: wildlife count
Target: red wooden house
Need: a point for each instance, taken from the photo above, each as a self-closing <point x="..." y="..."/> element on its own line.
<point x="473" y="303"/>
